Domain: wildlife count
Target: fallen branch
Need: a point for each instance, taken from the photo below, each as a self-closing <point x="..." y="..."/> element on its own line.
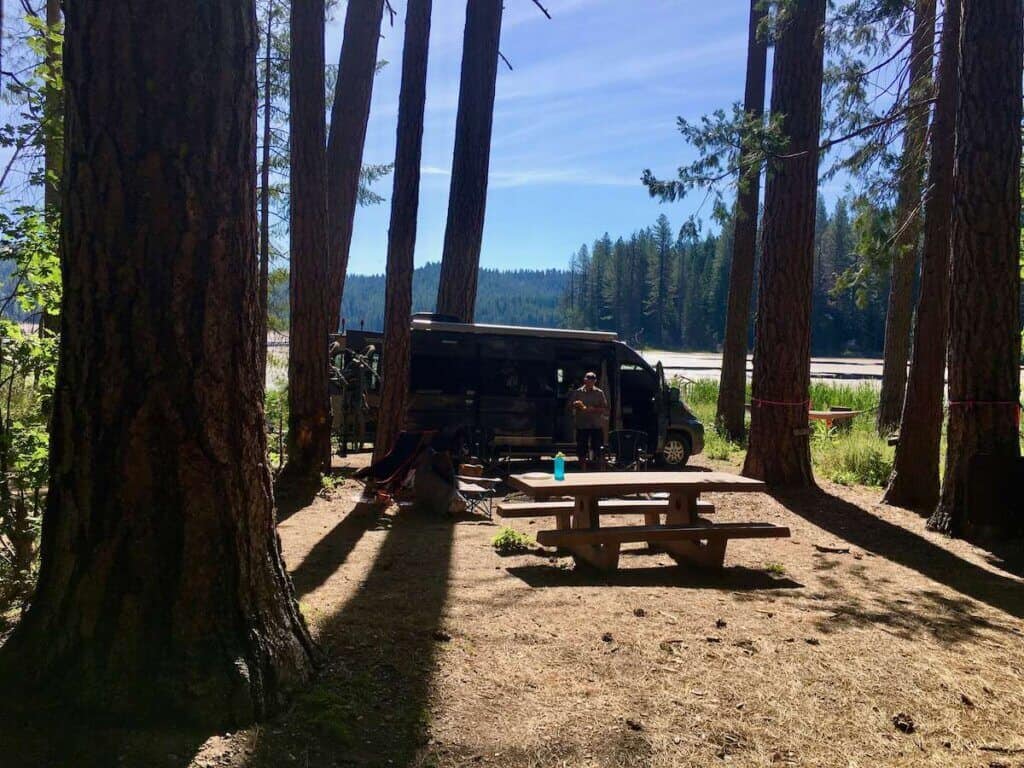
<point x="833" y="550"/>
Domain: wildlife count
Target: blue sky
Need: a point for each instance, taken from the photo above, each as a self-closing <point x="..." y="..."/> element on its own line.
<point x="592" y="101"/>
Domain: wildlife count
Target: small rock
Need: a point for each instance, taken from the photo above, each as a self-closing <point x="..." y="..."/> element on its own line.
<point x="607" y="637"/>
<point x="441" y="636"/>
<point x="904" y="722"/>
<point x="741" y="705"/>
<point x="634" y="725"/>
<point x="713" y="639"/>
<point x="966" y="700"/>
<point x="812" y="641"/>
<point x="639" y="612"/>
<point x="720" y="623"/>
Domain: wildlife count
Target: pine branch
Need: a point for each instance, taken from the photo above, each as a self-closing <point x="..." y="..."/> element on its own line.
<point x="542" y="8"/>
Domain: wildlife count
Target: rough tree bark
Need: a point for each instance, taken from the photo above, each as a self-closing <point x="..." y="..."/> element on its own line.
<point x="914" y="483"/>
<point x="779" y="450"/>
<point x="402" y="233"/>
<point x="467" y="198"/>
<point x="731" y="415"/>
<point x="984" y="314"/>
<point x="908" y="217"/>
<point x="349" y="113"/>
<point x="309" y="419"/>
<point x="264" y="283"/>
<point x="161" y="591"/>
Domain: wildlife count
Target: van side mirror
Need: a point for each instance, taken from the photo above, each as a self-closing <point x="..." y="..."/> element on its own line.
<point x="674" y="395"/>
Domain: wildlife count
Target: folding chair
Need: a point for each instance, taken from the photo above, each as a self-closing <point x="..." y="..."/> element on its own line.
<point x="627" y="449"/>
<point x="477" y="490"/>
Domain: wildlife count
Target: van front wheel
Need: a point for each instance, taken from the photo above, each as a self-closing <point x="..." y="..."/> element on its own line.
<point x="676" y="451"/>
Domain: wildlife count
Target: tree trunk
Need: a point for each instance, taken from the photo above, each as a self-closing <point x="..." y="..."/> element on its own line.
<point x="984" y="327"/>
<point x="915" y="479"/>
<point x="779" y="450"/>
<point x="732" y="386"/>
<point x="309" y="422"/>
<point x="53" y="146"/>
<point x="268" y="69"/>
<point x="467" y="198"/>
<point x="908" y="219"/>
<point x="351" y="110"/>
<point x="402" y="233"/>
<point x="161" y="593"/>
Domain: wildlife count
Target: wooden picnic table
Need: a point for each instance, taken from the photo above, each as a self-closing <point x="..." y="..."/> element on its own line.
<point x="684" y="535"/>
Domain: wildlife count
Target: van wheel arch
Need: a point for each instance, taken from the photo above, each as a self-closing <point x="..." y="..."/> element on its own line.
<point x="676" y="451"/>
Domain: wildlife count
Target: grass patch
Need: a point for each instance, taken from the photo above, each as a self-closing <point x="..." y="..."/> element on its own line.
<point x="857" y="456"/>
<point x="775" y="569"/>
<point x="509" y="541"/>
<point x="850" y="454"/>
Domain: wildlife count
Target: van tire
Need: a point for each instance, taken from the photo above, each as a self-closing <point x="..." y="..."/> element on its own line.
<point x="676" y="451"/>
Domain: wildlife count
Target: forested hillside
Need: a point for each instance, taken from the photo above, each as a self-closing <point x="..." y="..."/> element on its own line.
<point x="669" y="289"/>
<point x="660" y="287"/>
<point x="519" y="297"/>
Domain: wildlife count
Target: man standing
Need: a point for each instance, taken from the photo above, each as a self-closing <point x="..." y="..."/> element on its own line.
<point x="590" y="408"/>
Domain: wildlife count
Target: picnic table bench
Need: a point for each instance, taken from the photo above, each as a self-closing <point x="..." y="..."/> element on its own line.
<point x="684" y="535"/>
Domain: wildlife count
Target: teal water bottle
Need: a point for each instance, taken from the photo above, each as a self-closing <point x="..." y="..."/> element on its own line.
<point x="559" y="466"/>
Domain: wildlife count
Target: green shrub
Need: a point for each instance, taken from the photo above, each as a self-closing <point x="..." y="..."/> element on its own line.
<point x="509" y="541"/>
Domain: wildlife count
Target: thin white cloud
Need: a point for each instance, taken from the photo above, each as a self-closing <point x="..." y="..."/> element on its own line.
<point x="500" y="179"/>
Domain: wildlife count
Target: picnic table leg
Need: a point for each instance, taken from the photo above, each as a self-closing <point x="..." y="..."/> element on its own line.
<point x="602" y="556"/>
<point x="682" y="510"/>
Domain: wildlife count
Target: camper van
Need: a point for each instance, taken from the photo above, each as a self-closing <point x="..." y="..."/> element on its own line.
<point x="509" y="387"/>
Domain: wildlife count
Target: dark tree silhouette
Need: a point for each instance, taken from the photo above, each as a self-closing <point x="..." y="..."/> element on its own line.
<point x="161" y="590"/>
<point x="984" y="311"/>
<point x="779" y="450"/>
<point x="349" y="114"/>
<point x="268" y="76"/>
<point x="908" y="218"/>
<point x="732" y="388"/>
<point x="402" y="233"/>
<point x="467" y="199"/>
<point x="309" y="423"/>
<point x="915" y="479"/>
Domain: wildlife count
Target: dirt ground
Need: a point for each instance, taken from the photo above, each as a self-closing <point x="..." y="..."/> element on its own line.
<point x="903" y="648"/>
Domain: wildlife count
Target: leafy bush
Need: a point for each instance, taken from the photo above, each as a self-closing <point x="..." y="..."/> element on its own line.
<point x="509" y="541"/>
<point x="28" y="364"/>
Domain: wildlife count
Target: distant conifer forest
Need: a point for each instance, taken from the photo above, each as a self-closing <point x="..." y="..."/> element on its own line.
<point x="664" y="287"/>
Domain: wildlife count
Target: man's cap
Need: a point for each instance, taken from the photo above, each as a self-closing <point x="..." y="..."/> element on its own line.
<point x="590" y="375"/>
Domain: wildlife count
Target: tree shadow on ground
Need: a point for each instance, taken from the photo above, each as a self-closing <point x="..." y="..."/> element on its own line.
<point x="893" y="542"/>
<point x="45" y="740"/>
<point x="370" y="703"/>
<point x="332" y="550"/>
<point x="293" y="494"/>
<point x="735" y="578"/>
<point x="859" y="599"/>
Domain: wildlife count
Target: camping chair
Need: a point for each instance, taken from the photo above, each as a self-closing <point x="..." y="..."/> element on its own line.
<point x="391" y="471"/>
<point x="627" y="449"/>
<point x="477" y="491"/>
